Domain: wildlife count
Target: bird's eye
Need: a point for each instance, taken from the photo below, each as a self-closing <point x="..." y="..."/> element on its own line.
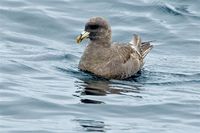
<point x="94" y="27"/>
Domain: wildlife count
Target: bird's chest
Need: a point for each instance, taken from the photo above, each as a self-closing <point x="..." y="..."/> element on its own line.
<point x="94" y="58"/>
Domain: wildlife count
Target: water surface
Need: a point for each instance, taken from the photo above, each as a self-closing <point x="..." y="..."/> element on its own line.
<point x="42" y="91"/>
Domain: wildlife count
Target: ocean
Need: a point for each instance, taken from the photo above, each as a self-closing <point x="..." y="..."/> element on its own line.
<point x="42" y="90"/>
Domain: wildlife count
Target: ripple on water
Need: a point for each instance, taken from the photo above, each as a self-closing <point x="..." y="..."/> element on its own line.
<point x="14" y="67"/>
<point x="41" y="87"/>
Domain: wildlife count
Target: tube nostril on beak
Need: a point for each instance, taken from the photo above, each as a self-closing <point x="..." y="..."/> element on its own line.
<point x="82" y="36"/>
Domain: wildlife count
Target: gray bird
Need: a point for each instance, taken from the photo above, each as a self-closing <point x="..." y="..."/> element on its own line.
<point x="108" y="59"/>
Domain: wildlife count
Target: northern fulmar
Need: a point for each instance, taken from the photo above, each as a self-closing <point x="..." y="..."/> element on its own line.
<point x="108" y="59"/>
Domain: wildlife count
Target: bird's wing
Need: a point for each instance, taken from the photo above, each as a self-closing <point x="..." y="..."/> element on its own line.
<point x="123" y="63"/>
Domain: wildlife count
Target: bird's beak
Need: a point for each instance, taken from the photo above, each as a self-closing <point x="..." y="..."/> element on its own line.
<point x="82" y="36"/>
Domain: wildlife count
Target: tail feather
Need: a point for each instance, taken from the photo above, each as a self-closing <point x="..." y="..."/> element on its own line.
<point x="145" y="48"/>
<point x="137" y="41"/>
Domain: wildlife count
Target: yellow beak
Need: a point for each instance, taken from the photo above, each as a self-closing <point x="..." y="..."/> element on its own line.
<point x="82" y="36"/>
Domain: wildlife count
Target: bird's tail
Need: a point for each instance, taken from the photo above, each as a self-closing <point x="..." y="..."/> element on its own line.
<point x="143" y="48"/>
<point x="146" y="48"/>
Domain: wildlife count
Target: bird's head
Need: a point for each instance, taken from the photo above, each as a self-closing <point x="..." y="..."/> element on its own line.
<point x="96" y="29"/>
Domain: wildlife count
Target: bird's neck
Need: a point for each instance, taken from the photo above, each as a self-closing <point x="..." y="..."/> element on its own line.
<point x="100" y="44"/>
<point x="94" y="54"/>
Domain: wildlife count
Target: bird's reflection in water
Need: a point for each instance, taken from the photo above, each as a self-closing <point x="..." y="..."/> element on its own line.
<point x="103" y="87"/>
<point x="90" y="101"/>
<point x="92" y="125"/>
<point x="98" y="88"/>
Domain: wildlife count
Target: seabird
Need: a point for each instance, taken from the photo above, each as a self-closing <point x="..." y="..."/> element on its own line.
<point x="108" y="59"/>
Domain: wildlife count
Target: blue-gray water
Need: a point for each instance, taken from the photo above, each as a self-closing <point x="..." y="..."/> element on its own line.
<point x="42" y="91"/>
